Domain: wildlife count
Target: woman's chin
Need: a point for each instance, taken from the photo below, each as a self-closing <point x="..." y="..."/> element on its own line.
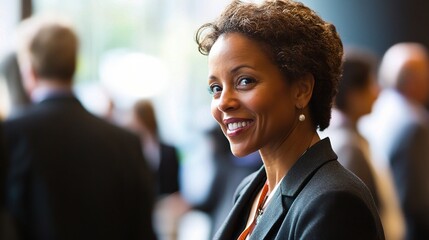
<point x="240" y="152"/>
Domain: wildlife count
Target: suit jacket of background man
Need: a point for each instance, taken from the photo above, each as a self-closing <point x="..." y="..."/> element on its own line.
<point x="167" y="175"/>
<point x="75" y="176"/>
<point x="317" y="199"/>
<point x="3" y="167"/>
<point x="398" y="130"/>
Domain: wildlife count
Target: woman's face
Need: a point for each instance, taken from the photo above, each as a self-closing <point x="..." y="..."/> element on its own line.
<point x="252" y="101"/>
<point x="360" y="101"/>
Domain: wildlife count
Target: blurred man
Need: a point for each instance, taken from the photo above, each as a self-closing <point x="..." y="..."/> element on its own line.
<point x="398" y="131"/>
<point x="357" y="93"/>
<point x="71" y="175"/>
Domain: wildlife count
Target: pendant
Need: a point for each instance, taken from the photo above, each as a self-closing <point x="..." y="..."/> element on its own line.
<point x="259" y="213"/>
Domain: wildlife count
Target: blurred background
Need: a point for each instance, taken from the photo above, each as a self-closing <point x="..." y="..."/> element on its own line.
<point x="145" y="49"/>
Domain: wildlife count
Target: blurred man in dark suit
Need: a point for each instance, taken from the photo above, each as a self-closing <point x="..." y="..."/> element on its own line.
<point x="71" y="174"/>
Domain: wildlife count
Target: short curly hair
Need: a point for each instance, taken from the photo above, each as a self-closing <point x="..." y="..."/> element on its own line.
<point x="294" y="36"/>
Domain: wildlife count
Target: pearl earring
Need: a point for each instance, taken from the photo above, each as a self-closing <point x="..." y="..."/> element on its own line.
<point x="301" y="116"/>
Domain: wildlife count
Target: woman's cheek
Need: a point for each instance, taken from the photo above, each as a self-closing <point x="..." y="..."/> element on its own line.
<point x="215" y="111"/>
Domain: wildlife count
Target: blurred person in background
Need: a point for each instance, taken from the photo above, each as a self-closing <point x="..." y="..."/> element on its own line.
<point x="164" y="163"/>
<point x="358" y="89"/>
<point x="10" y="74"/>
<point x="398" y="131"/>
<point x="273" y="71"/>
<point x="71" y="175"/>
<point x="357" y="92"/>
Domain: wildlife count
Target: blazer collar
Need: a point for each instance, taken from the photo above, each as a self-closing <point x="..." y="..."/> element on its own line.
<point x="306" y="166"/>
<point x="42" y="93"/>
<point x="291" y="185"/>
<point x="239" y="213"/>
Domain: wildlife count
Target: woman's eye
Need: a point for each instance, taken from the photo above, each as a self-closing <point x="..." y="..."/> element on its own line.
<point x="245" y="82"/>
<point x="214" y="89"/>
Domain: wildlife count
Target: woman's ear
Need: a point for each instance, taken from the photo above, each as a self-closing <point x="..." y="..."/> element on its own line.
<point x="304" y="90"/>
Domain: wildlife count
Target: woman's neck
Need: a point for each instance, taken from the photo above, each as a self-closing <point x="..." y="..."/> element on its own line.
<point x="279" y="161"/>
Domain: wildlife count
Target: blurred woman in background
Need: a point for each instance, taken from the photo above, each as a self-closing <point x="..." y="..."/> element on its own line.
<point x="164" y="162"/>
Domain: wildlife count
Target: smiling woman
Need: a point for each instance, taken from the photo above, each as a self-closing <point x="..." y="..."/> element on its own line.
<point x="273" y="71"/>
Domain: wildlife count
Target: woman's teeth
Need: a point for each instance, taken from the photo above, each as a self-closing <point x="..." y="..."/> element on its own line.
<point x="233" y="126"/>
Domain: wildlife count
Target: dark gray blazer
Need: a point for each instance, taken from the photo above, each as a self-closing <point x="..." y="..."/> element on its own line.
<point x="317" y="199"/>
<point x="75" y="176"/>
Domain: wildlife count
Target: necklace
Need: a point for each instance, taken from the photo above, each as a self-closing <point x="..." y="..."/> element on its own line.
<point x="259" y="211"/>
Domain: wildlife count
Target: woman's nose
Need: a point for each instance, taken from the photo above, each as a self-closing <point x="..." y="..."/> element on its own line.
<point x="227" y="101"/>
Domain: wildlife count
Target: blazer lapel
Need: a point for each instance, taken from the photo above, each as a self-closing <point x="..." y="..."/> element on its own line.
<point x="238" y="213"/>
<point x="273" y="213"/>
<point x="292" y="185"/>
<point x="298" y="176"/>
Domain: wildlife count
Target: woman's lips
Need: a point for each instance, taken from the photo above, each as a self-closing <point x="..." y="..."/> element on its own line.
<point x="235" y="127"/>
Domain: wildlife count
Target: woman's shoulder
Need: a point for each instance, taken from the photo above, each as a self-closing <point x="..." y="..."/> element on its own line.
<point x="335" y="197"/>
<point x="333" y="178"/>
<point x="333" y="188"/>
